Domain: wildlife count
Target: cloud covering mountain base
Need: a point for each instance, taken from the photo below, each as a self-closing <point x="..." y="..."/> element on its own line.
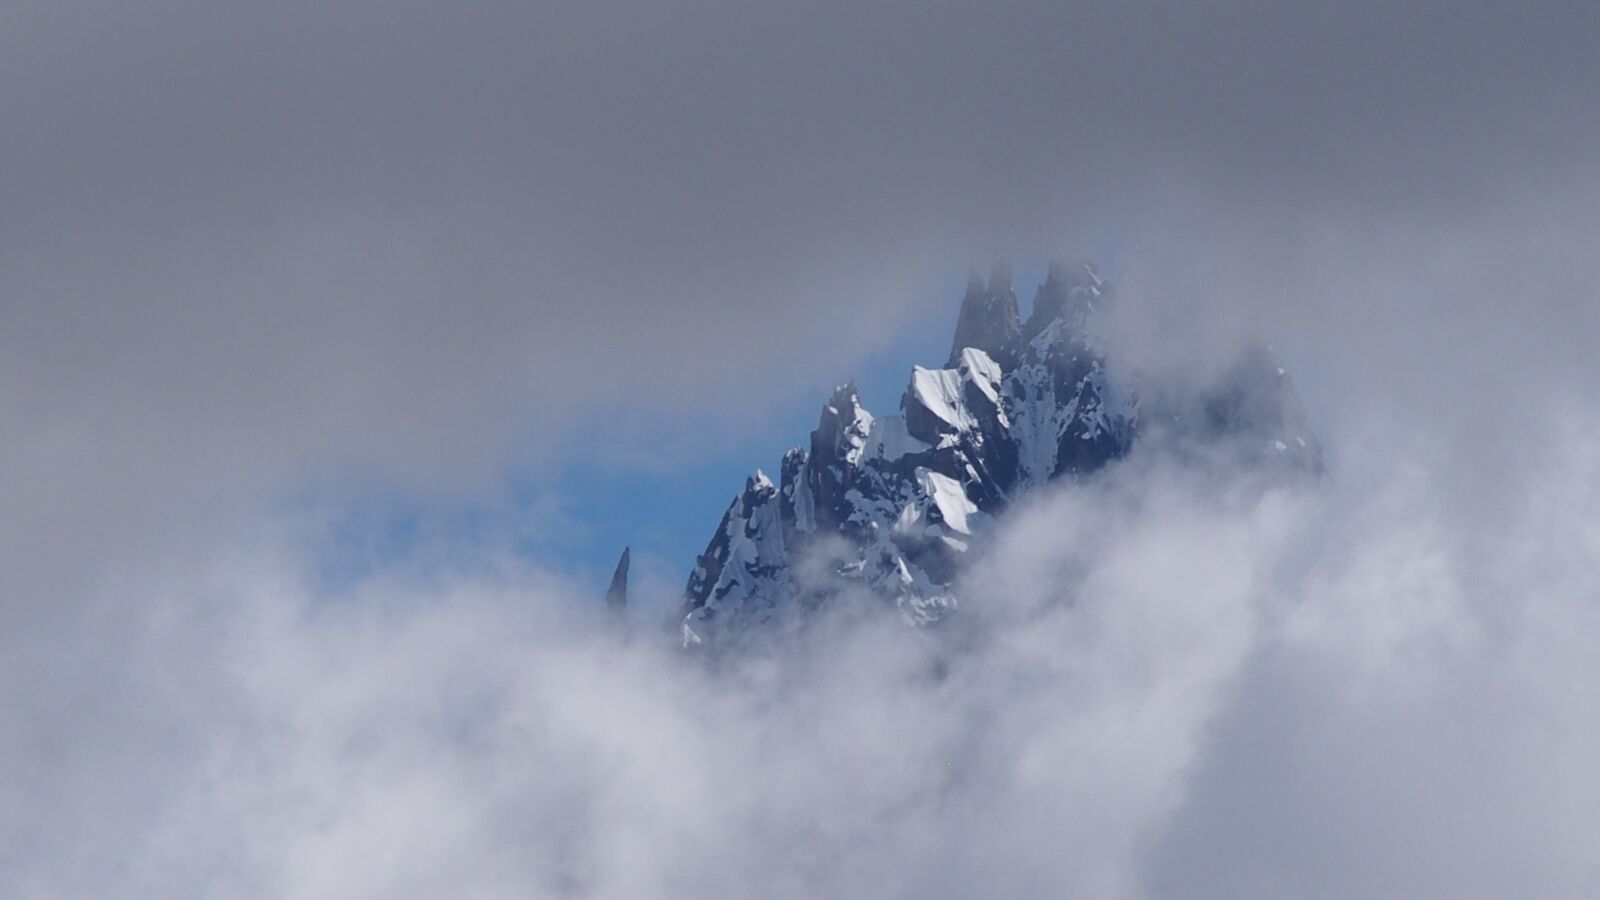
<point x="1167" y="682"/>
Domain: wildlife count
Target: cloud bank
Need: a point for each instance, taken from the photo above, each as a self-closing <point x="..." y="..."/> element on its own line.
<point x="1165" y="683"/>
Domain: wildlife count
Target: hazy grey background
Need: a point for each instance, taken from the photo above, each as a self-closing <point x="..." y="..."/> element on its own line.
<point x="247" y="248"/>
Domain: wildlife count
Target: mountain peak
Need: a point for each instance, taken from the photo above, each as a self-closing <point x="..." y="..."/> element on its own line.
<point x="1081" y="273"/>
<point x="895" y="506"/>
<point x="989" y="319"/>
<point x="999" y="275"/>
<point x="975" y="285"/>
<point x="617" y="593"/>
<point x="843" y="426"/>
<point x="1067" y="295"/>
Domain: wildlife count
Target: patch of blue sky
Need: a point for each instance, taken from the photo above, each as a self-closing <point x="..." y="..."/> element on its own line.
<point x="670" y="514"/>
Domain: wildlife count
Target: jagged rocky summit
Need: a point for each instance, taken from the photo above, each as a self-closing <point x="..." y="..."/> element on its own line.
<point x="617" y="593"/>
<point x="891" y="505"/>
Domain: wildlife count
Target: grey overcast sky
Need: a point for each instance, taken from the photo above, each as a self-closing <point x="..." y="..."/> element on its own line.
<point x="250" y="249"/>
<point x="244" y="239"/>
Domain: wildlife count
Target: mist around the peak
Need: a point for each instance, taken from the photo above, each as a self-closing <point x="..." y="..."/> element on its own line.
<point x="254" y="260"/>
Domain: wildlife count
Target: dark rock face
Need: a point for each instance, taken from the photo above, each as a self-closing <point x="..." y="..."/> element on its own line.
<point x="1067" y="295"/>
<point x="1256" y="403"/>
<point x="617" y="594"/>
<point x="893" y="505"/>
<point x="989" y="318"/>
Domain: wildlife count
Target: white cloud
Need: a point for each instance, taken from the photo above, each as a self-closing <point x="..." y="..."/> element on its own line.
<point x="1167" y="685"/>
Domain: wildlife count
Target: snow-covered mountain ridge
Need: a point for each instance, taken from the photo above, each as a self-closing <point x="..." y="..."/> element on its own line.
<point x="893" y="505"/>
